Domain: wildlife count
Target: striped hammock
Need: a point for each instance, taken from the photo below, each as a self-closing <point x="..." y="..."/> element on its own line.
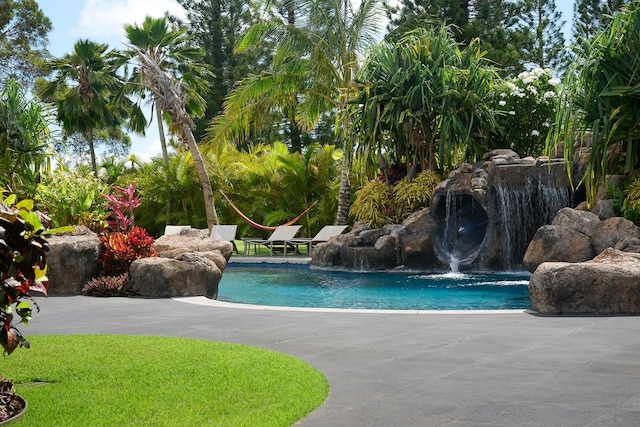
<point x="260" y="226"/>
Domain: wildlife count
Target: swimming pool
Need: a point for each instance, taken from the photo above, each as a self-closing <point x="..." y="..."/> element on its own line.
<point x="304" y="287"/>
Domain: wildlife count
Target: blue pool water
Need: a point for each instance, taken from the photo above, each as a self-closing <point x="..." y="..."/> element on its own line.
<point x="297" y="287"/>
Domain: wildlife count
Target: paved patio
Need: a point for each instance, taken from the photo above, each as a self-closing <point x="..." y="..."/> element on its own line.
<point x="408" y="369"/>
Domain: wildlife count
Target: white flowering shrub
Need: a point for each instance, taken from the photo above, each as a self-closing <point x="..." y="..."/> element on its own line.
<point x="526" y="107"/>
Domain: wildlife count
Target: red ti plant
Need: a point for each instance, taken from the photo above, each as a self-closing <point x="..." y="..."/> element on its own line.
<point x="122" y="204"/>
<point x="126" y="242"/>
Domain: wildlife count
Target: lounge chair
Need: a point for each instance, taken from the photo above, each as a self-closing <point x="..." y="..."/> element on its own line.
<point x="175" y="229"/>
<point x="225" y="232"/>
<point x="323" y="235"/>
<point x="281" y="236"/>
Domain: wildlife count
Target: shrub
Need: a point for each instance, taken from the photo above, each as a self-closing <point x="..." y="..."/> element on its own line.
<point x="374" y="204"/>
<point x="73" y="198"/>
<point x="378" y="203"/>
<point x="110" y="286"/>
<point x="527" y="106"/>
<point x="121" y="249"/>
<point x="22" y="267"/>
<point x="413" y="194"/>
<point x="627" y="202"/>
<point x="122" y="204"/>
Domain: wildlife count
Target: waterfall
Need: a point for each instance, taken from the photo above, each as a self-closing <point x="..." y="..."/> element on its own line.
<point x="522" y="212"/>
<point x="464" y="223"/>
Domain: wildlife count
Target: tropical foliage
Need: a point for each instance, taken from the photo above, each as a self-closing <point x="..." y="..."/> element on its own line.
<point x="600" y="105"/>
<point x="378" y="203"/>
<point x="423" y="96"/>
<point x="24" y="140"/>
<point x="88" y="94"/>
<point x="73" y="197"/>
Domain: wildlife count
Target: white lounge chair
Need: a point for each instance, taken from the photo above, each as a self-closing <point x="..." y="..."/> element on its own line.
<point x="225" y="232"/>
<point x="281" y="236"/>
<point x="323" y="235"/>
<point x="175" y="229"/>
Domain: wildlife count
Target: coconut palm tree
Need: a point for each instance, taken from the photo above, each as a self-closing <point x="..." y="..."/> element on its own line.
<point x="172" y="93"/>
<point x="89" y="93"/>
<point x="315" y="59"/>
<point x="173" y="52"/>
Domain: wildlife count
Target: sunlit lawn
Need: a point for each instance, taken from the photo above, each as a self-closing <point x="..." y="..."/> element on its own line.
<point x="116" y="380"/>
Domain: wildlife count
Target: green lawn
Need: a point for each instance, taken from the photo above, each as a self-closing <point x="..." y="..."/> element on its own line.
<point x="264" y="251"/>
<point x="117" y="380"/>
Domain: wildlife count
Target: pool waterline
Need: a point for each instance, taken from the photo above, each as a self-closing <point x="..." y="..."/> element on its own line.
<point x="312" y="289"/>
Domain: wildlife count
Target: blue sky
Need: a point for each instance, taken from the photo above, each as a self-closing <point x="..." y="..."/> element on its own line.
<point x="102" y="21"/>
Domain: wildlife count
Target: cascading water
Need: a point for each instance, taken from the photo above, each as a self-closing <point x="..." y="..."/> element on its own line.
<point x="463" y="225"/>
<point x="523" y="211"/>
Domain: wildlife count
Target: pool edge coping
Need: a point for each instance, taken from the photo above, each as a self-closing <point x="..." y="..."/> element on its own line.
<point x="204" y="301"/>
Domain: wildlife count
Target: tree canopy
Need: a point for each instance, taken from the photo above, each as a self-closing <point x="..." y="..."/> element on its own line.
<point x="23" y="40"/>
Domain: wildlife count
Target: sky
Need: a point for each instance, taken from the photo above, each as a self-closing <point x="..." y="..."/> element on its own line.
<point x="102" y="21"/>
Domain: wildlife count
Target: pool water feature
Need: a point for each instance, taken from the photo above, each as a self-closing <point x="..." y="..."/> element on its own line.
<point x="304" y="287"/>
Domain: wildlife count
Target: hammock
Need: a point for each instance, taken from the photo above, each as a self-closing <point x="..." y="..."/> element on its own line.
<point x="260" y="226"/>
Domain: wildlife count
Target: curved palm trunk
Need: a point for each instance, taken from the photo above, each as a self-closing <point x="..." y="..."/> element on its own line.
<point x="207" y="191"/>
<point x="163" y="146"/>
<point x="162" y="86"/>
<point x="163" y="140"/>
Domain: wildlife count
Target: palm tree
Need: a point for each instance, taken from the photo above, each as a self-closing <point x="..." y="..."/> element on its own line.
<point x="89" y="93"/>
<point x="316" y="56"/>
<point x="172" y="93"/>
<point x="172" y="52"/>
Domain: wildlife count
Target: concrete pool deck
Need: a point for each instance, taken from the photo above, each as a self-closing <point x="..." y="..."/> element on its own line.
<point x="408" y="369"/>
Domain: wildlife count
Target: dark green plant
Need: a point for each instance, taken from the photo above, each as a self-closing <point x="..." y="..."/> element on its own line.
<point x="627" y="202"/>
<point x="600" y="103"/>
<point x="110" y="286"/>
<point x="22" y="267"/>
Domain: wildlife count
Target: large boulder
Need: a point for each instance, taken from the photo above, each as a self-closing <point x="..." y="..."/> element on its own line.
<point x="553" y="243"/>
<point x="582" y="221"/>
<point x="171" y="245"/>
<point x="189" y="274"/>
<point x="612" y="231"/>
<point x="607" y="284"/>
<point x="72" y="260"/>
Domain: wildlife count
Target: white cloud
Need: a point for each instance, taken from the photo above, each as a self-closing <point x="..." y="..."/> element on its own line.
<point x="102" y="20"/>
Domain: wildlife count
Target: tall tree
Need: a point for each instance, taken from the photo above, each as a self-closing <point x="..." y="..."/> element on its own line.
<point x="593" y="16"/>
<point x="88" y="94"/>
<point x="313" y="69"/>
<point x="216" y="27"/>
<point x="173" y="93"/>
<point x="173" y="52"/>
<point x="23" y="39"/>
<point x="543" y="21"/>
<point x="494" y="22"/>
